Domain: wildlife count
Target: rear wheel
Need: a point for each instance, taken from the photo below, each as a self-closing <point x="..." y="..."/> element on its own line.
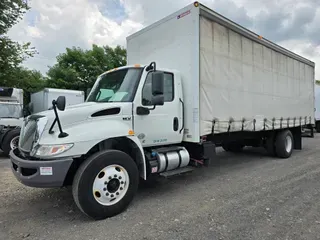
<point x="105" y="184"/>
<point x="284" y="144"/>
<point x="10" y="141"/>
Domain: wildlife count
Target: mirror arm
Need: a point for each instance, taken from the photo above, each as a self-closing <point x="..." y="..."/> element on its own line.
<point x="61" y="134"/>
<point x="52" y="125"/>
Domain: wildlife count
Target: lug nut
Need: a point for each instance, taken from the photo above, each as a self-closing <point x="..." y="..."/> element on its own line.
<point x="115" y="175"/>
<point x="112" y="195"/>
<point x="122" y="182"/>
<point x="121" y="188"/>
<point x="110" y="177"/>
<point x="120" y="177"/>
<point x="104" y="189"/>
<point x="117" y="193"/>
<point x="107" y="194"/>
<point x="105" y="183"/>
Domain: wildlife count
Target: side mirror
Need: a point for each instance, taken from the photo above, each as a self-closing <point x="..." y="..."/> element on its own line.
<point x="157" y="83"/>
<point x="158" y="100"/>
<point x="61" y="103"/>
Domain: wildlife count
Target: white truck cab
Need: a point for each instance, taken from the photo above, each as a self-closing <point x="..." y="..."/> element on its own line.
<point x="11" y="117"/>
<point x="203" y="82"/>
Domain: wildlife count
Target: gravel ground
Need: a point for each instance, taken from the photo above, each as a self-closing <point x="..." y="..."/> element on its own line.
<point x="243" y="196"/>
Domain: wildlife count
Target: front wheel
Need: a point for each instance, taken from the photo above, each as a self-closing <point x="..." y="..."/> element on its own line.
<point x="10" y="141"/>
<point x="105" y="184"/>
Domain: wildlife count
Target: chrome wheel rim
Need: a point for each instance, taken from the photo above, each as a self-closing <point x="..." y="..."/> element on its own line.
<point x="14" y="142"/>
<point x="110" y="185"/>
<point x="288" y="144"/>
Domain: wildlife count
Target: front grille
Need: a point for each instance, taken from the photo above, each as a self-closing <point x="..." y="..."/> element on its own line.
<point x="27" y="135"/>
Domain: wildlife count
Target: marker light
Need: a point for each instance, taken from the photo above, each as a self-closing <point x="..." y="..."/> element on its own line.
<point x="196" y="4"/>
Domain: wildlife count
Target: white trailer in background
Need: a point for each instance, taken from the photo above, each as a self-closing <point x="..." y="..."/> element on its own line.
<point x="317" y="107"/>
<point x="204" y="82"/>
<point x="42" y="100"/>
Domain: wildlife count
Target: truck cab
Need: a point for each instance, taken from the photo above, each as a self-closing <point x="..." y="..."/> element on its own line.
<point x="155" y="117"/>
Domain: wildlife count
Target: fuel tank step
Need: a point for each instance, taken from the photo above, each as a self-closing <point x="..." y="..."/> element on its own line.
<point x="177" y="172"/>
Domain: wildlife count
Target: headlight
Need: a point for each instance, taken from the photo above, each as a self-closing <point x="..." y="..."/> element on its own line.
<point x="51" y="150"/>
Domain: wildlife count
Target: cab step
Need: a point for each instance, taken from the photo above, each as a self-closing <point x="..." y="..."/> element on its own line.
<point x="177" y="172"/>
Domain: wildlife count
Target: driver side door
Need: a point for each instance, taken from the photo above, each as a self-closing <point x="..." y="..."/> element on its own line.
<point x="161" y="126"/>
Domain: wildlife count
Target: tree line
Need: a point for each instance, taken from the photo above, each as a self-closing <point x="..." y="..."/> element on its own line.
<point x="76" y="68"/>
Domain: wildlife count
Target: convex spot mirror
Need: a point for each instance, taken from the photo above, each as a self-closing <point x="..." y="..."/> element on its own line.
<point x="61" y="103"/>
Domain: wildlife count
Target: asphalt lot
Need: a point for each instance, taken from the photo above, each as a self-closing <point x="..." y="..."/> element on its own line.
<point x="243" y="196"/>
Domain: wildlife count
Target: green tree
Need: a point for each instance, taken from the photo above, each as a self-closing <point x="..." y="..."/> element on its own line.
<point x="12" y="54"/>
<point x="11" y="11"/>
<point x="78" y="69"/>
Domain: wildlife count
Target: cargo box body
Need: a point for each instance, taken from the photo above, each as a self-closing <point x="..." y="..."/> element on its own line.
<point x="233" y="80"/>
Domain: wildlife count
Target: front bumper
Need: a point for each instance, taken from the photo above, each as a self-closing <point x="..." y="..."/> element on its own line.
<point x="42" y="174"/>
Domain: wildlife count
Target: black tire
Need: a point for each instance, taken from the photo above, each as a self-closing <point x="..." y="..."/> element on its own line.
<point x="282" y="150"/>
<point x="84" y="178"/>
<point x="318" y="127"/>
<point x="6" y="148"/>
<point x="233" y="147"/>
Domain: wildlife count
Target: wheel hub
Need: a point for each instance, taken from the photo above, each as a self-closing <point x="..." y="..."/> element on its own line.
<point x="288" y="144"/>
<point x="14" y="142"/>
<point x="113" y="185"/>
<point x="110" y="185"/>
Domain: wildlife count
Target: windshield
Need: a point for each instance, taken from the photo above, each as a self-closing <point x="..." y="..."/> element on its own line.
<point x="116" y="86"/>
<point x="10" y="110"/>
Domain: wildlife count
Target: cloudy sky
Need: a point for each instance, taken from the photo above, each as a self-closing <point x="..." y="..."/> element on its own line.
<point x="53" y="25"/>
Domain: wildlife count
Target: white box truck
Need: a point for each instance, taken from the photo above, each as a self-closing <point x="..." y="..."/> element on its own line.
<point x="204" y="82"/>
<point x="42" y="100"/>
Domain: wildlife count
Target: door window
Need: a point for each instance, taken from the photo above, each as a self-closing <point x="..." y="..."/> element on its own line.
<point x="168" y="89"/>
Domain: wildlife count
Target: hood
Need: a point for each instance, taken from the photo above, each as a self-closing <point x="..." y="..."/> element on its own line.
<point x="81" y="112"/>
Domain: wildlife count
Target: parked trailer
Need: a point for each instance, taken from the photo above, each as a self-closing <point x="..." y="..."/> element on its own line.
<point x="205" y="82"/>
